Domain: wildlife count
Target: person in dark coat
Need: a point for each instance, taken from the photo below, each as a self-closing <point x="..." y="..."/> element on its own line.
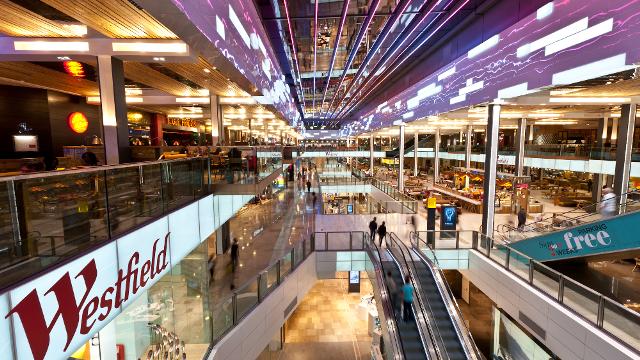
<point x="382" y="232"/>
<point x="373" y="227"/>
<point x="235" y="254"/>
<point x="522" y="218"/>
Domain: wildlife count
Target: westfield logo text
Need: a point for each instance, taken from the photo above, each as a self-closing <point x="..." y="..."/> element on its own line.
<point x="87" y="311"/>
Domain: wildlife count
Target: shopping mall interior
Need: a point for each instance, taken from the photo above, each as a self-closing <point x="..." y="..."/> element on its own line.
<point x="319" y="179"/>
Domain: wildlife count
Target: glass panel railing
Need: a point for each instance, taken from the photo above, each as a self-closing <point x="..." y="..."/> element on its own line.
<point x="286" y="265"/>
<point x="45" y="218"/>
<point x="580" y="299"/>
<point x="222" y="318"/>
<point x="615" y="320"/>
<point x="594" y="307"/>
<point x="246" y="298"/>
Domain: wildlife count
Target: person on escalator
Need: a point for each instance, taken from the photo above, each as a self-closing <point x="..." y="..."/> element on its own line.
<point x="407" y="299"/>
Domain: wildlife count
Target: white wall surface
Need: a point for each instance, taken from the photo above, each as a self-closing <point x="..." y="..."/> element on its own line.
<point x="565" y="334"/>
<point x="253" y="334"/>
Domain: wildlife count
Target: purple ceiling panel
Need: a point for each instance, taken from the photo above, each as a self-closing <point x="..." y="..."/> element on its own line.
<point x="234" y="27"/>
<point x="563" y="42"/>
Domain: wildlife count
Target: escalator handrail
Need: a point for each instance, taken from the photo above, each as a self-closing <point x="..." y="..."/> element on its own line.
<point x="428" y="332"/>
<point x="463" y="332"/>
<point x="506" y="228"/>
<point x="389" y="312"/>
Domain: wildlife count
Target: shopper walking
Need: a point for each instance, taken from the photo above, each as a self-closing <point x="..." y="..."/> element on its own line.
<point x="314" y="198"/>
<point x="407" y="299"/>
<point x="608" y="206"/>
<point x="234" y="255"/>
<point x="309" y="185"/>
<point x="373" y="227"/>
<point x="382" y="232"/>
<point x="522" y="218"/>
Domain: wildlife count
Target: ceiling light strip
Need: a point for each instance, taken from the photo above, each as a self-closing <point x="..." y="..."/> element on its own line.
<point x="379" y="40"/>
<point x="295" y="54"/>
<point x="345" y="8"/>
<point x="391" y="51"/>
<point x="352" y="54"/>
<point x="315" y="54"/>
<point x="404" y="58"/>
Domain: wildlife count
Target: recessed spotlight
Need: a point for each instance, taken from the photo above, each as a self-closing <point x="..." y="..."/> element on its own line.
<point x="64" y="58"/>
<point x="207" y="71"/>
<point x="158" y="59"/>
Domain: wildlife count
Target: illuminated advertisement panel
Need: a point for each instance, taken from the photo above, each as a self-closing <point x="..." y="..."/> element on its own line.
<point x="234" y="28"/>
<point x="564" y="42"/>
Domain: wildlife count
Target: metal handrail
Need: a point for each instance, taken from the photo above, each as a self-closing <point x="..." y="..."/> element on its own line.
<point x="488" y="247"/>
<point x="462" y="330"/>
<point x="546" y="225"/>
<point x="389" y="311"/>
<point x="426" y="328"/>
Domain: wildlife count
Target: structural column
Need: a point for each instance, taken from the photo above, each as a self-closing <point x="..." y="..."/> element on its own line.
<point x="217" y="129"/>
<point x="490" y="162"/>
<point x="624" y="149"/>
<point x="415" y="153"/>
<point x="436" y="157"/>
<point x="401" y="165"/>
<point x="371" y="139"/>
<point x="601" y="139"/>
<point x="113" y="109"/>
<point x="520" y="141"/>
<point x="467" y="147"/>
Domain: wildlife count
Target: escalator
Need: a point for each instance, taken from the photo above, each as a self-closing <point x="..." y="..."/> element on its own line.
<point x="583" y="233"/>
<point x="408" y="146"/>
<point x="405" y="338"/>
<point x="445" y="329"/>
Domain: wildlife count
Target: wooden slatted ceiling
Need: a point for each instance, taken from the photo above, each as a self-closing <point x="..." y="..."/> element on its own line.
<point x="18" y="21"/>
<point x="32" y="74"/>
<point x="143" y="74"/>
<point x="114" y="18"/>
<point x="215" y="81"/>
<point x="622" y="88"/>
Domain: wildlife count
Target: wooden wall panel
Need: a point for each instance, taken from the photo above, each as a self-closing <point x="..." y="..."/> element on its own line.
<point x="114" y="18"/>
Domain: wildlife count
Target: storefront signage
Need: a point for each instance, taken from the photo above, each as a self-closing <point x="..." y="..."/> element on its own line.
<point x="76" y="309"/>
<point x="183" y="122"/>
<point x="615" y="234"/>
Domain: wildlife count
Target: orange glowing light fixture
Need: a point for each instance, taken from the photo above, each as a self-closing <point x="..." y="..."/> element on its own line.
<point x="77" y="122"/>
<point x="74" y="68"/>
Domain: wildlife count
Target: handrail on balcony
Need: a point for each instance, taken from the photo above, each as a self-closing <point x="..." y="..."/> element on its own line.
<point x="601" y="311"/>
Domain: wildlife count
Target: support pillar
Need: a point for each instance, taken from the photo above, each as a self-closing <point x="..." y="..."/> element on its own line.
<point x="623" y="151"/>
<point x="436" y="158"/>
<point x="113" y="110"/>
<point x="415" y="153"/>
<point x="217" y="130"/>
<point x="371" y="140"/>
<point x="520" y="140"/>
<point x="467" y="147"/>
<point x="223" y="238"/>
<point x="490" y="162"/>
<point x="401" y="165"/>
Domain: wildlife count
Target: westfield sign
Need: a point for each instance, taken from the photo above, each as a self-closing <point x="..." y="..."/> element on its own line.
<point x="83" y="299"/>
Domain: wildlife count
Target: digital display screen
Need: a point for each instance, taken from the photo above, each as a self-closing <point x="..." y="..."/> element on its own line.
<point x="448" y="218"/>
<point x="349" y="208"/>
<point x="354" y="277"/>
<point x="235" y="29"/>
<point x="533" y="54"/>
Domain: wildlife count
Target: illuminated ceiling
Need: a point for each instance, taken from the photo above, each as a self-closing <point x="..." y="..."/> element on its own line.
<point x="335" y="35"/>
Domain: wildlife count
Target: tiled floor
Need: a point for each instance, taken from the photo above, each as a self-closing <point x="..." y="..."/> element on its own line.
<point x="330" y="323"/>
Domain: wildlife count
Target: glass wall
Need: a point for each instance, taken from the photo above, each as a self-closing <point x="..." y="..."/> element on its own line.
<point x="511" y="342"/>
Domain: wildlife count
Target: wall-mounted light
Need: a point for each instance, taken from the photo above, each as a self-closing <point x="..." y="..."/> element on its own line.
<point x="77" y="122"/>
<point x="74" y="68"/>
